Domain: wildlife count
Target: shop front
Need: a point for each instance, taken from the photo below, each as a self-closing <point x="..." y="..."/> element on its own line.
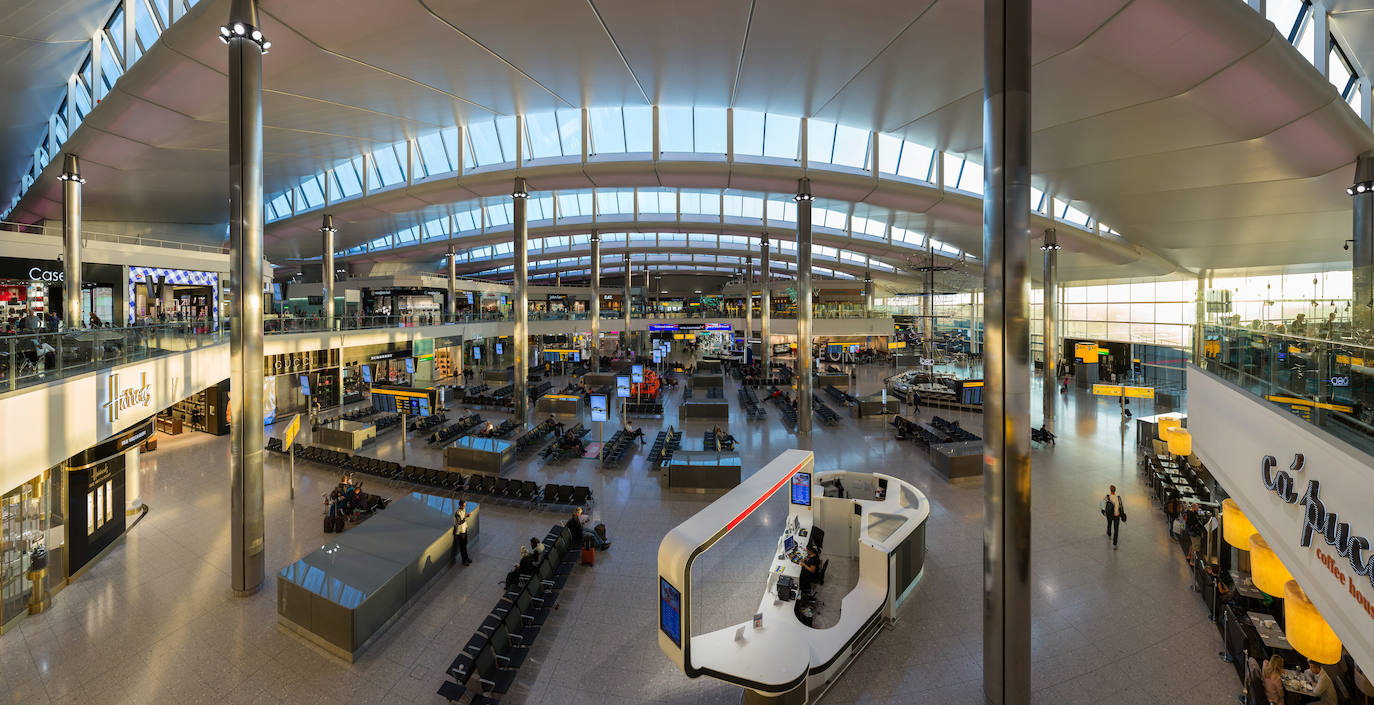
<point x="302" y="381"/>
<point x="54" y="525"/>
<point x="157" y="294"/>
<point x="30" y="288"/>
<point x="402" y="301"/>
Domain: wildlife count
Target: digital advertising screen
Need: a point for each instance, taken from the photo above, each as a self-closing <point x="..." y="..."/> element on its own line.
<point x="476" y="353"/>
<point x="500" y="348"/>
<point x="637" y="374"/>
<point x="622" y="387"/>
<point x="658" y="356"/>
<point x="801" y="489"/>
<point x="410" y="365"/>
<point x="670" y="611"/>
<point x="305" y="385"/>
<point x="598" y="403"/>
<point x="367" y="374"/>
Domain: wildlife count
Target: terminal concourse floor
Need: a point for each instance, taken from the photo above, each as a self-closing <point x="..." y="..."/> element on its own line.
<point x="153" y="621"/>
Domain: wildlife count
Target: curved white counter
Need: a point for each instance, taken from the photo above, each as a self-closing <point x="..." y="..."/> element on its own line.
<point x="784" y="658"/>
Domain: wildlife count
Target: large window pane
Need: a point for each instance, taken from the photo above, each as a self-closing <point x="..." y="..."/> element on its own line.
<point x="639" y="129"/>
<point x="505" y="131"/>
<point x="708" y="125"/>
<point x="433" y="155"/>
<point x="1284" y="15"/>
<point x="820" y="141"/>
<point x="781" y="136"/>
<point x="388" y="165"/>
<point x="851" y="147"/>
<point x="917" y="160"/>
<point x="607" y="130"/>
<point x="675" y="128"/>
<point x="313" y="189"/>
<point x="110" y="70"/>
<point x="485" y="147"/>
<point x="541" y="136"/>
<point x="145" y="29"/>
<point x="748" y="132"/>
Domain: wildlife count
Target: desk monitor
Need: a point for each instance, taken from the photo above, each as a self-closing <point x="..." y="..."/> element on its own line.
<point x="801" y="489"/>
<point x="670" y="611"/>
<point x="788" y="544"/>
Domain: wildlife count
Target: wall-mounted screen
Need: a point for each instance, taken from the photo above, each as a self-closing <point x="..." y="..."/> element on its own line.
<point x="670" y="611"/>
<point x="410" y="365"/>
<point x="801" y="489"/>
<point x="367" y="374"/>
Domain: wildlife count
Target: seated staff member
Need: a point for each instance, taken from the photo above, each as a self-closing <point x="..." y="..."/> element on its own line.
<point x="810" y="568"/>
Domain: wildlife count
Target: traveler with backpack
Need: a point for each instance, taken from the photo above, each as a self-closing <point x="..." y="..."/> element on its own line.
<point x="1115" y="511"/>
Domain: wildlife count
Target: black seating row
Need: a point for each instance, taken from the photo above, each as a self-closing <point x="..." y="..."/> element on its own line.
<point x="505" y="429"/>
<point x="534" y="436"/>
<point x="789" y="410"/>
<point x="952" y="429"/>
<point x="557" y="451"/>
<point x="914" y="432"/>
<point x="489" y="486"/>
<point x="827" y="414"/>
<point x="665" y="444"/>
<point x="501" y="644"/>
<point x="709" y="441"/>
<point x="424" y="423"/>
<point x="750" y="401"/>
<point x="644" y="408"/>
<point x="473" y="391"/>
<point x="538" y="390"/>
<point x="383" y="423"/>
<point x="617" y="448"/>
<point x="455" y="429"/>
<point x="840" y="395"/>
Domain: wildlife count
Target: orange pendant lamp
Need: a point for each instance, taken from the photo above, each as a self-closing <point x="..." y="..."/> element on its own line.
<point x="1236" y="528"/>
<point x="1180" y="441"/>
<point x="1266" y="569"/>
<point x="1167" y="423"/>
<point x="1306" y="629"/>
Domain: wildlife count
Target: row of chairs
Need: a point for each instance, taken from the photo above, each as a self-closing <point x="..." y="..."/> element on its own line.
<point x="827" y="414"/>
<point x="665" y="444"/>
<point x="534" y="436"/>
<point x="383" y="423"/>
<point x="556" y="452"/>
<point x="538" y="390"/>
<point x="709" y="441"/>
<point x="502" y="643"/>
<point x="489" y="486"/>
<point x="789" y="412"/>
<point x="953" y="430"/>
<point x="455" y="429"/>
<point x="911" y="431"/>
<point x="424" y="423"/>
<point x="499" y="397"/>
<point x="644" y="408"/>
<point x="840" y="395"/>
<point x="354" y="415"/>
<point x="750" y="401"/>
<point x="504" y="429"/>
<point x="617" y="448"/>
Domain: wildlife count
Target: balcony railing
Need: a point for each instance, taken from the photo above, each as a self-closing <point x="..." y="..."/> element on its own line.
<point x="1328" y="383"/>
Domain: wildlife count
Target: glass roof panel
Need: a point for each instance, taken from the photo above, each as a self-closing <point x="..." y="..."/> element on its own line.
<point x="708" y="127"/>
<point x="675" y="128"/>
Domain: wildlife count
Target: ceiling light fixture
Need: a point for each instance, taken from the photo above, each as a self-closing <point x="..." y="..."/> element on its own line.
<point x="239" y="29"/>
<point x="1362" y="187"/>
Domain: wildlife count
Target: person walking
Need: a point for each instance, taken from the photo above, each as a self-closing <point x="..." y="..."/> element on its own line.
<point x="1115" y="511"/>
<point x="460" y="532"/>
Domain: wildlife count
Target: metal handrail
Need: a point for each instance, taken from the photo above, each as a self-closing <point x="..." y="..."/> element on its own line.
<point x="31" y="229"/>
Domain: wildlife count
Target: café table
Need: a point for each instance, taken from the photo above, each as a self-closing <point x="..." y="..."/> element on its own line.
<point x="1245" y="587"/>
<point x="1270" y="633"/>
<point x="1296" y="682"/>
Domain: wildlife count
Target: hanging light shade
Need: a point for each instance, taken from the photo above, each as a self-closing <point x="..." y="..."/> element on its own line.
<point x="1266" y="569"/>
<point x="1180" y="441"/>
<point x="1306" y="629"/>
<point x="1236" y="528"/>
<point x="1167" y="423"/>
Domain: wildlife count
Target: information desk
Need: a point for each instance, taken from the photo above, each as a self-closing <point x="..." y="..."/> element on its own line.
<point x="476" y="454"/>
<point x="879" y="520"/>
<point x="344" y="435"/>
<point x="874" y="405"/>
<point x="559" y="404"/>
<point x="343" y="594"/>
<point x="703" y="470"/>
<point x="955" y="460"/>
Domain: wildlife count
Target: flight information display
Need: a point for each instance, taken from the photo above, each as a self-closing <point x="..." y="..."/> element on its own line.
<point x="801" y="489"/>
<point x="670" y="611"/>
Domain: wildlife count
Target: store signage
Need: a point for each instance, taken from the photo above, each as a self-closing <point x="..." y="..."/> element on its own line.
<point x="1317" y="520"/>
<point x="663" y="326"/>
<point x="122" y="396"/>
<point x="39" y="274"/>
<point x="1340" y="381"/>
<point x="717" y="326"/>
<point x="927" y="362"/>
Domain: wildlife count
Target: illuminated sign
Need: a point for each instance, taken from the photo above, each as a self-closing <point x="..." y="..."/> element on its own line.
<point x="598" y="403"/>
<point x="117" y="398"/>
<point x="622" y="387"/>
<point x="1118" y="390"/>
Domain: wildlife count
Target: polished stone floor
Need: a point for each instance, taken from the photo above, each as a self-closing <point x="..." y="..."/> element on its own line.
<point x="154" y="621"/>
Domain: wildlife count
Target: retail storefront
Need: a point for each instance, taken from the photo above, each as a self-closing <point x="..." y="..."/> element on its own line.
<point x="296" y="380"/>
<point x="172" y="294"/>
<point x="56" y="524"/>
<point x="31" y="287"/>
<point x="398" y="301"/>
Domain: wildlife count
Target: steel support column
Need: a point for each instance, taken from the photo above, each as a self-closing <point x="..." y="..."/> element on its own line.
<point x="625" y="307"/>
<point x="1051" y="332"/>
<point x="595" y="312"/>
<point x="868" y="293"/>
<point x="804" y="378"/>
<point x="1006" y="359"/>
<point x="765" y="310"/>
<point x="748" y="301"/>
<point x="1362" y="245"/>
<point x="246" y="47"/>
<point x="327" y="231"/>
<point x="521" y="196"/>
<point x="928" y="305"/>
<point x="1199" y="321"/>
<point x="71" y="240"/>
<point x="452" y="284"/>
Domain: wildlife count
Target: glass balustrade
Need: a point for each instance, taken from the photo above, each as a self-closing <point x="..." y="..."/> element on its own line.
<point x="1328" y="383"/>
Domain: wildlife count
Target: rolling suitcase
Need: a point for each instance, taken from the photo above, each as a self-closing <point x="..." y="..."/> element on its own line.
<point x="588" y="555"/>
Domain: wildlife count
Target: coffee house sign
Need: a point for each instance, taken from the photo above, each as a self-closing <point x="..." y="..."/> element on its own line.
<point x="1318" y="520"/>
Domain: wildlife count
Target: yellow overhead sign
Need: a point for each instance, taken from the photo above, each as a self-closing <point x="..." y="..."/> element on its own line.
<point x="290" y="435"/>
<point x="1119" y="390"/>
<point x="897" y="345"/>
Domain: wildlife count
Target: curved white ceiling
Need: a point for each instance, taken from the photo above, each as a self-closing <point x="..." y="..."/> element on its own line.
<point x="1192" y="128"/>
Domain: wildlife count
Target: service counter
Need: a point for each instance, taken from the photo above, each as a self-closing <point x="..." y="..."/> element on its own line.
<point x="876" y="519"/>
<point x="347" y="436"/>
<point x="703" y="470"/>
<point x="706" y="381"/>
<point x="559" y="404"/>
<point x="498" y="377"/>
<point x="955" y="460"/>
<point x="832" y="380"/>
<point x="344" y="593"/>
<point x="876" y="405"/>
<point x="708" y="366"/>
<point x="490" y="456"/>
